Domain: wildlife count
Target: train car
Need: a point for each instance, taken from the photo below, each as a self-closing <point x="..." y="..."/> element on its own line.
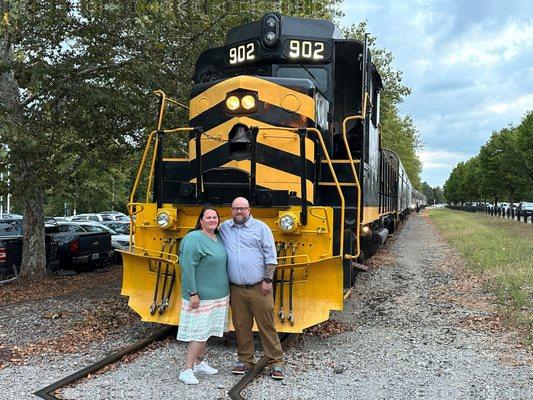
<point x="286" y="114"/>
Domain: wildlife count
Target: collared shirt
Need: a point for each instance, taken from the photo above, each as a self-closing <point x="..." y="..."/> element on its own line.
<point x="250" y="247"/>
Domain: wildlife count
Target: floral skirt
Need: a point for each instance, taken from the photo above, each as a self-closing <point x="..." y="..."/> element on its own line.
<point x="209" y="319"/>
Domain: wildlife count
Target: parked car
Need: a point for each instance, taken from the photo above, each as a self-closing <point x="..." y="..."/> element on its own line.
<point x="122" y="227"/>
<point x="88" y="217"/>
<point x="114" y="216"/>
<point x="524" y="209"/>
<point x="79" y="247"/>
<point x="119" y="241"/>
<point x="11" y="243"/>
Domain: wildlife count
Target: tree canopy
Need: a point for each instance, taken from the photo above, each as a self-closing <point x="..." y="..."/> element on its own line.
<point x="502" y="171"/>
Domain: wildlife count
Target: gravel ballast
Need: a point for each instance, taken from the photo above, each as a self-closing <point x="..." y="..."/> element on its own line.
<point x="416" y="326"/>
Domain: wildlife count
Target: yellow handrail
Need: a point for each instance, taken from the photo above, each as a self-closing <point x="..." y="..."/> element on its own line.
<point x="143" y="161"/>
<point x="361" y="117"/>
<point x="331" y="169"/>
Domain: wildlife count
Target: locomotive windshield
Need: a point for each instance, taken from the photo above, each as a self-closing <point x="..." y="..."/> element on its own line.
<point x="319" y="76"/>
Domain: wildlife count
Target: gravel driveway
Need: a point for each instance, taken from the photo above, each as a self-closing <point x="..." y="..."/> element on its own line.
<point x="415" y="327"/>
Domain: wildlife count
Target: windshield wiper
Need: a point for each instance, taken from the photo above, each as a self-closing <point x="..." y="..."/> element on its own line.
<point x="316" y="82"/>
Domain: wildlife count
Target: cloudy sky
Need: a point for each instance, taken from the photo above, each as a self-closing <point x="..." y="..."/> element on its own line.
<point x="469" y="64"/>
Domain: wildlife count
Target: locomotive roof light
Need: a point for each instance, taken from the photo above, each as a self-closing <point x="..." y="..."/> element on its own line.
<point x="288" y="222"/>
<point x="271" y="29"/>
<point x="233" y="103"/>
<point x="164" y="219"/>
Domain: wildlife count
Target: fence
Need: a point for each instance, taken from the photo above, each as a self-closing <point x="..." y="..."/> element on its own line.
<point x="509" y="212"/>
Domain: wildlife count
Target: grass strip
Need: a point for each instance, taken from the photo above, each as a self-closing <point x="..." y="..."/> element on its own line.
<point x="500" y="250"/>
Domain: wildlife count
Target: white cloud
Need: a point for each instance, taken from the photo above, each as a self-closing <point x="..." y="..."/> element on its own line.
<point x="441" y="159"/>
<point x="481" y="47"/>
<point x="522" y="103"/>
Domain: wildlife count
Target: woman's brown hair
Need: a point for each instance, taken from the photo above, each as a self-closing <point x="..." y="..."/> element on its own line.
<point x="202" y="212"/>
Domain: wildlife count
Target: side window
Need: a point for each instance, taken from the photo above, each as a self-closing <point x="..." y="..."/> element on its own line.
<point x="374" y="97"/>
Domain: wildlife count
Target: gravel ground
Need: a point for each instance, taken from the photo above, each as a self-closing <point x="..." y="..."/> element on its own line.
<point x="415" y="327"/>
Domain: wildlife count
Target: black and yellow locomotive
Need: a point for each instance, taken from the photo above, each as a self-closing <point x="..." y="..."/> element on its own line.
<point x="286" y="114"/>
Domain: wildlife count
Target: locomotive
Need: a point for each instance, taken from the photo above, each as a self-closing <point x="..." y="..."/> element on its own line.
<point x="286" y="114"/>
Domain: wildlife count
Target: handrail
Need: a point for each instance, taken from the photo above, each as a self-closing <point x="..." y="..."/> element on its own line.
<point x="143" y="160"/>
<point x="331" y="170"/>
<point x="361" y="117"/>
<point x="162" y="108"/>
<point x="129" y="207"/>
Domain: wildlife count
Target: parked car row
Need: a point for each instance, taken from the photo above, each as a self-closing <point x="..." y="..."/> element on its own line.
<point x="100" y="217"/>
<point x="78" y="245"/>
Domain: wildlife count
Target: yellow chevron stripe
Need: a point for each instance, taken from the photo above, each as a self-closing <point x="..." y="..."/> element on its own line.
<point x="268" y="92"/>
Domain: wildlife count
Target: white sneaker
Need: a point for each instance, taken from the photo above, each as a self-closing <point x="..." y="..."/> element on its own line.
<point x="205" y="368"/>
<point x="188" y="377"/>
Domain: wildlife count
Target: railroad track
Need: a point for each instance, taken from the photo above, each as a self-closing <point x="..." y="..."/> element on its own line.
<point x="46" y="393"/>
<point x="235" y="392"/>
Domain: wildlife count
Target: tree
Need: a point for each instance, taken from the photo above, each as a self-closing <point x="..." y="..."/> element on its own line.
<point x="75" y="85"/>
<point x="524" y="146"/>
<point x="453" y="187"/>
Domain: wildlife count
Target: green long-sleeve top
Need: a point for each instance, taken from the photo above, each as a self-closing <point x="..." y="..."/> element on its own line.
<point x="203" y="267"/>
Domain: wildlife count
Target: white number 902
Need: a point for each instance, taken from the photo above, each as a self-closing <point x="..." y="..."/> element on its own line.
<point x="244" y="52"/>
<point x="306" y="49"/>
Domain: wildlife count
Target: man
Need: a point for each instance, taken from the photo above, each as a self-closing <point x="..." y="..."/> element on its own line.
<point x="251" y="263"/>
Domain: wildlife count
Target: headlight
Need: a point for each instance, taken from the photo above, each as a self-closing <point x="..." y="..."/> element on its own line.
<point x="287" y="223"/>
<point x="270" y="22"/>
<point x="163" y="219"/>
<point x="233" y="103"/>
<point x="366" y="231"/>
<point x="248" y="102"/>
<point x="271" y="30"/>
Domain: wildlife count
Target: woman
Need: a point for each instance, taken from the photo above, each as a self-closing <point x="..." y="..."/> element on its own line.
<point x="204" y="292"/>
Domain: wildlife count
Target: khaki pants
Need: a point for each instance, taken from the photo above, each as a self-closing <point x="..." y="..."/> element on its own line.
<point x="248" y="304"/>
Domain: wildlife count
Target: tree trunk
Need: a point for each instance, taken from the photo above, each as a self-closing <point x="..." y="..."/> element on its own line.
<point x="33" y="250"/>
<point x="22" y="175"/>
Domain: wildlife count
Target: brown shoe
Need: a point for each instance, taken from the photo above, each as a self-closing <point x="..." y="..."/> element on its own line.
<point x="241" y="368"/>
<point x="276" y="373"/>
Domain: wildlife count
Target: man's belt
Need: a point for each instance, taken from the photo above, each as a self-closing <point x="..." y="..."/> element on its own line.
<point x="248" y="286"/>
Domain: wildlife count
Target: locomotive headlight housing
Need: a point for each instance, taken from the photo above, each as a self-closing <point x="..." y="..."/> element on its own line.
<point x="248" y="102"/>
<point x="271" y="29"/>
<point x="164" y="219"/>
<point x="288" y="222"/>
<point x="240" y="102"/>
<point x="233" y="103"/>
<point x="366" y="231"/>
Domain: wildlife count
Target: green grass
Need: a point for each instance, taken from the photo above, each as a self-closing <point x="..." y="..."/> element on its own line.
<point x="499" y="249"/>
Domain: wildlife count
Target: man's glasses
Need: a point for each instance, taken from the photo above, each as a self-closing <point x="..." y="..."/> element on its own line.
<point x="240" y="208"/>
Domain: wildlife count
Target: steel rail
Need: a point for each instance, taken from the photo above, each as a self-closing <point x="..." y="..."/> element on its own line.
<point x="46" y="393"/>
<point x="235" y="392"/>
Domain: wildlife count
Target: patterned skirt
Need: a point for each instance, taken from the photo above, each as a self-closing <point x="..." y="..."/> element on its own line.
<point x="209" y="319"/>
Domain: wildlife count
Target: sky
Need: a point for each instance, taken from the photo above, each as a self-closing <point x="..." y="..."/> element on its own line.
<point x="469" y="64"/>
